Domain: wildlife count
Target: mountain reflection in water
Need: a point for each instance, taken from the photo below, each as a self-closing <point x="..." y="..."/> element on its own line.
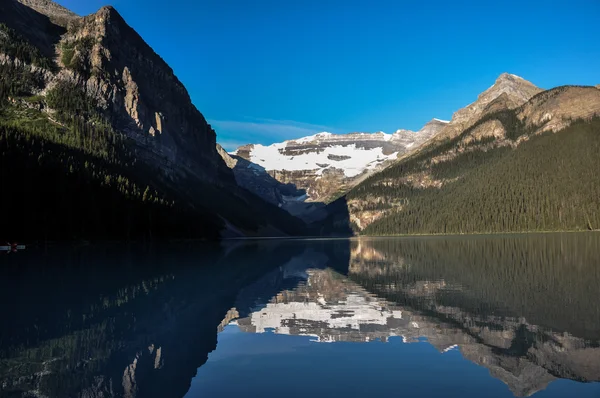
<point x="111" y="321"/>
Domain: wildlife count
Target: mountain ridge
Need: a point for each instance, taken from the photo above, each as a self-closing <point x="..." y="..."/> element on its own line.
<point x="324" y="164"/>
<point x="515" y="89"/>
<point x="457" y="171"/>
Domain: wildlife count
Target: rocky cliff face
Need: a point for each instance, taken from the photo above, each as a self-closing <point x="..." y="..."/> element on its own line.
<point x="140" y="93"/>
<point x="57" y="13"/>
<point x="555" y="109"/>
<point x="325" y="165"/>
<point x="507" y="92"/>
<point x="42" y="22"/>
<point x="132" y="85"/>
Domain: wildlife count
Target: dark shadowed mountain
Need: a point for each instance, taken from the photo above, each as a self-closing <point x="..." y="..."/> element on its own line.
<point x="92" y="118"/>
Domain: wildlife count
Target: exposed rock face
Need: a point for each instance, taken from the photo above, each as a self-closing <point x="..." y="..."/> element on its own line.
<point x="255" y="179"/>
<point x="49" y="8"/>
<point x="57" y="13"/>
<point x="137" y="90"/>
<point x="508" y="92"/>
<point x="229" y="161"/>
<point x="142" y="96"/>
<point x="503" y="101"/>
<point x="555" y="109"/>
<point x="326" y="164"/>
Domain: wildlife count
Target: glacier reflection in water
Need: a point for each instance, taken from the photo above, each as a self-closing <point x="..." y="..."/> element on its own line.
<point x="479" y="316"/>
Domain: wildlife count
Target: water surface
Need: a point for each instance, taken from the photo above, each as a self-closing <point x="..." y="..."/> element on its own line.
<point x="494" y="316"/>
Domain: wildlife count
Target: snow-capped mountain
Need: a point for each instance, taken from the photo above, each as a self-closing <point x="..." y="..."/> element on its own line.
<point x="325" y="164"/>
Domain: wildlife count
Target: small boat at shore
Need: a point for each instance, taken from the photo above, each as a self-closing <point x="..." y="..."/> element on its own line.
<point x="11" y="247"/>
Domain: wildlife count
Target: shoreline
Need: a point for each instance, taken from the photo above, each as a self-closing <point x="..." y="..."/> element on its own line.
<point x="477" y="234"/>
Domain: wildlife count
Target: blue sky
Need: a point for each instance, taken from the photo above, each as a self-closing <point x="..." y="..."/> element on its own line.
<point x="268" y="70"/>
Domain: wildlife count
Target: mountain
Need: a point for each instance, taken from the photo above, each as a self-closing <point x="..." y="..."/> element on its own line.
<point x="88" y="106"/>
<point x="517" y="159"/>
<point x="325" y="165"/>
<point x="508" y="92"/>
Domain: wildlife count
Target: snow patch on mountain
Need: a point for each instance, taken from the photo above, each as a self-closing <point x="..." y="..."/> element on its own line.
<point x="324" y="164"/>
<point x="353" y="161"/>
<point x="353" y="153"/>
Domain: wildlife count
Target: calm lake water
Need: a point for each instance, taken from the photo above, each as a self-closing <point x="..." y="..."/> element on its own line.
<point x="478" y="316"/>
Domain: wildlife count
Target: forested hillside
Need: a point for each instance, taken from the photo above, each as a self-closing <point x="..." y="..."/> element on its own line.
<point x="78" y="178"/>
<point x="90" y="154"/>
<point x="549" y="182"/>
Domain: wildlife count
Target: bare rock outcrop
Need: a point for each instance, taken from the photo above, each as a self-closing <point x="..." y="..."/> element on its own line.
<point x="507" y="92"/>
<point x="141" y="95"/>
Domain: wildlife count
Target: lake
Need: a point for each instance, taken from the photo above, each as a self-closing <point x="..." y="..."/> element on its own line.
<point x="493" y="316"/>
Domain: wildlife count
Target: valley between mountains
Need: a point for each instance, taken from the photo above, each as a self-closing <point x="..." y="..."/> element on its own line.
<point x="100" y="140"/>
<point x="517" y="159"/>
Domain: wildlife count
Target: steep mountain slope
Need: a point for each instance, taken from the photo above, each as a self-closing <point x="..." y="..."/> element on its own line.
<point x="92" y="90"/>
<point x="508" y="92"/>
<point x="325" y="164"/>
<point x="41" y="22"/>
<point x="528" y="168"/>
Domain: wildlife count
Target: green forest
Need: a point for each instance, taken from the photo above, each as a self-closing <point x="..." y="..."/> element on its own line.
<point x="550" y="182"/>
<point x="51" y="191"/>
<point x="15" y="46"/>
<point x="83" y="182"/>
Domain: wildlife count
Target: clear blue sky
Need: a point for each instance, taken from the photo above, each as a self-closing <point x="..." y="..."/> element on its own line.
<point x="267" y="70"/>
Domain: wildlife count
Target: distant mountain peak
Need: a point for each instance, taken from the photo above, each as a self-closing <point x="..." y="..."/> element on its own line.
<point x="324" y="164"/>
<point x="509" y="77"/>
<point x="315" y="137"/>
<point x="508" y="92"/>
<point x="54" y="11"/>
<point x="513" y="85"/>
<point x="109" y="10"/>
